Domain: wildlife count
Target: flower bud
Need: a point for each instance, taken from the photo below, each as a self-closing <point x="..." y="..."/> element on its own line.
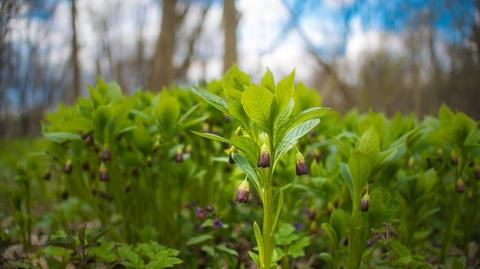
<point x="88" y="139"/>
<point x="179" y="155"/>
<point x="230" y="155"/>
<point x="67" y="168"/>
<point x="103" y="172"/>
<point x="264" y="158"/>
<point x="105" y="154"/>
<point x="300" y="165"/>
<point x="460" y="186"/>
<point x="189" y="149"/>
<point x="454" y="158"/>
<point x="243" y="192"/>
<point x="365" y="203"/>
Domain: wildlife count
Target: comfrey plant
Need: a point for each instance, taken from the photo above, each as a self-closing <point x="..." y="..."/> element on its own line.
<point x="268" y="129"/>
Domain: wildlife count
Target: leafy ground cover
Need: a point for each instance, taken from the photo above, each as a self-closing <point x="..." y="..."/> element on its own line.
<point x="239" y="174"/>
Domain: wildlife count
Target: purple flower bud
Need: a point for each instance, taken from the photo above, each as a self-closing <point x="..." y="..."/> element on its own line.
<point x="217" y="223"/>
<point x="264" y="158"/>
<point x="179" y="155"/>
<point x="310" y="213"/>
<point x="105" y="154"/>
<point x="365" y="203"/>
<point x="103" y="172"/>
<point x="67" y="168"/>
<point x="454" y="158"/>
<point x="300" y="165"/>
<point x="243" y="192"/>
<point x="477" y="173"/>
<point x="88" y="139"/>
<point x="200" y="213"/>
<point x="460" y="186"/>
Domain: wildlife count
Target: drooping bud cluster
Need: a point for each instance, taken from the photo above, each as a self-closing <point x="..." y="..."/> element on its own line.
<point x="365" y="203"/>
<point x="460" y="186"/>
<point x="264" y="158"/>
<point x="105" y="154"/>
<point x="68" y="167"/>
<point x="300" y="165"/>
<point x="243" y="192"/>
<point x="103" y="172"/>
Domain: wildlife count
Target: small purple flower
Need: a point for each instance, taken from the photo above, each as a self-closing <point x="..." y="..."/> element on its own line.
<point x="200" y="212"/>
<point x="298" y="226"/>
<point x="217" y="223"/>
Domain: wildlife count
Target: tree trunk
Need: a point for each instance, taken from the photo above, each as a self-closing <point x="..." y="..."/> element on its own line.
<point x="75" y="63"/>
<point x="162" y="71"/>
<point x="230" y="22"/>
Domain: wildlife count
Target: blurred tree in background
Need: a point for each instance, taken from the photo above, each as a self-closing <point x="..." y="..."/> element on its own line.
<point x="45" y="58"/>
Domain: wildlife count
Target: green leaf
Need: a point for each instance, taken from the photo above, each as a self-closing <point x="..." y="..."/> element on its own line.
<point x="199" y="239"/>
<point x="284" y="91"/>
<point x="61" y="137"/>
<point x="257" y="103"/>
<point x="168" y="109"/>
<point x="163" y="260"/>
<point x="209" y="250"/>
<point x="259" y="239"/>
<point x="247" y="146"/>
<point x="347" y="177"/>
<point x="236" y="110"/>
<point x="213" y="137"/>
<point x="227" y="250"/>
<point x="279" y="210"/>
<point x="213" y="99"/>
<point x="104" y="252"/>
<point x="369" y="143"/>
<point x="268" y="81"/>
<point x="296" y="249"/>
<point x="57" y="251"/>
<point x="290" y="139"/>
<point x="326" y="257"/>
<point x="130" y="258"/>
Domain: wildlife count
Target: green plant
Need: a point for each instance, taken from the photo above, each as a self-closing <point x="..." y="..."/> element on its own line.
<point x="268" y="129"/>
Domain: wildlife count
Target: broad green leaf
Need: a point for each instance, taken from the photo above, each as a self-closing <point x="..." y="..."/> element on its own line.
<point x="247" y="146"/>
<point x="163" y="260"/>
<point x="57" y="251"/>
<point x="308" y="114"/>
<point x="61" y="137"/>
<point x="369" y="143"/>
<point x="104" y="252"/>
<point x="168" y="109"/>
<point x="268" y="81"/>
<point x="257" y="103"/>
<point x="296" y="249"/>
<point x="213" y="99"/>
<point x="228" y="250"/>
<point x="209" y="250"/>
<point x="211" y="136"/>
<point x="284" y="91"/>
<point x="236" y="110"/>
<point x="295" y="133"/>
<point x="198" y="239"/>
<point x="129" y="258"/>
<point x="347" y="177"/>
